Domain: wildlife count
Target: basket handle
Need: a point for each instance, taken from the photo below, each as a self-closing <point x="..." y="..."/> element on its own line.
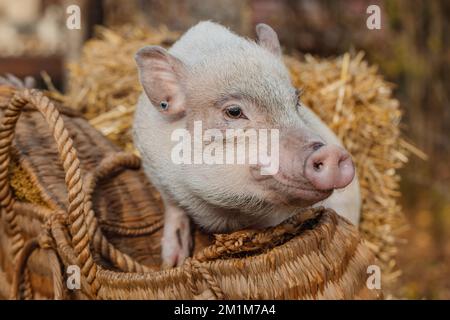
<point x="77" y="209"/>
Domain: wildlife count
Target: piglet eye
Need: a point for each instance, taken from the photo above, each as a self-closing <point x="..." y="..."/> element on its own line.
<point x="234" y="112"/>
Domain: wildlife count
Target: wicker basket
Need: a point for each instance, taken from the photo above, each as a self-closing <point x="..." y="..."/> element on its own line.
<point x="93" y="207"/>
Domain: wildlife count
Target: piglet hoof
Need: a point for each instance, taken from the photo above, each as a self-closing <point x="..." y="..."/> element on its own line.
<point x="177" y="240"/>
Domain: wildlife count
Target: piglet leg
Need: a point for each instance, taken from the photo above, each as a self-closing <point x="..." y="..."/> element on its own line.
<point x="177" y="239"/>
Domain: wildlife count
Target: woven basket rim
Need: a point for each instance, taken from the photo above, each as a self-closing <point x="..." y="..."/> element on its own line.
<point x="325" y="219"/>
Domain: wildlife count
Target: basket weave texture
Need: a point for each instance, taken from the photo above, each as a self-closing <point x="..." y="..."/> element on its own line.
<point x="70" y="197"/>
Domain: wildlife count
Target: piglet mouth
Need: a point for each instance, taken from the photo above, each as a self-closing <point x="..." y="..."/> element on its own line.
<point x="301" y="190"/>
<point x="291" y="189"/>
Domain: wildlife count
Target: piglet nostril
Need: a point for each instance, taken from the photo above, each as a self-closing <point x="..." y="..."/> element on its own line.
<point x="318" y="166"/>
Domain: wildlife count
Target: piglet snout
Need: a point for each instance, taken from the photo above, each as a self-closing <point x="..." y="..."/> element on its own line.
<point x="329" y="167"/>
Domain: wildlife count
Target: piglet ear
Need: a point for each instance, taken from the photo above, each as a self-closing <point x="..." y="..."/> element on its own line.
<point x="161" y="75"/>
<point x="268" y="39"/>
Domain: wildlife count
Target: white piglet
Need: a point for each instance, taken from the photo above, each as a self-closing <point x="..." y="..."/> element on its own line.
<point x="212" y="82"/>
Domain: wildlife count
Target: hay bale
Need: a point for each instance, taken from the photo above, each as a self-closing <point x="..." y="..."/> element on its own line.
<point x="346" y="92"/>
<point x="357" y="104"/>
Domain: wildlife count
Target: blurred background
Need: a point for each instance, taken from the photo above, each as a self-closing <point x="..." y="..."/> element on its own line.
<point x="412" y="50"/>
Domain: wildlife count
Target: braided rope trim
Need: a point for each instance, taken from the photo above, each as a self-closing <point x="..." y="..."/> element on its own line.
<point x="194" y="267"/>
<point x="108" y="166"/>
<point x="6" y="199"/>
<point x="77" y="208"/>
<point x="21" y="287"/>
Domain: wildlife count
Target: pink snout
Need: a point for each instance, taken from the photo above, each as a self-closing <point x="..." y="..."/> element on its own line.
<point x="329" y="167"/>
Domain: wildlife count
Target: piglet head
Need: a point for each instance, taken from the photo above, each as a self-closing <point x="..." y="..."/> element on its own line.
<point x="244" y="85"/>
